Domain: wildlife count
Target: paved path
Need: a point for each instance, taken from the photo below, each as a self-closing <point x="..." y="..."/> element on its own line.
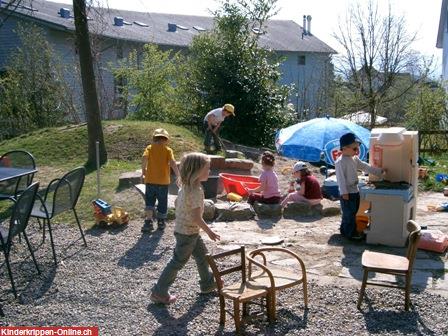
<point x="330" y="258"/>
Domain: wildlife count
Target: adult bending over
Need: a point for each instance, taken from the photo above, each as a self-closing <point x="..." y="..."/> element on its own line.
<point x="212" y="123"/>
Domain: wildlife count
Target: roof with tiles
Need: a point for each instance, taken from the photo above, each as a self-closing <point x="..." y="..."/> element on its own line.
<point x="279" y="35"/>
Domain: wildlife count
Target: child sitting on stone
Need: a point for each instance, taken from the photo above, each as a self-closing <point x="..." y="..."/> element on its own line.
<point x="268" y="191"/>
<point x="309" y="191"/>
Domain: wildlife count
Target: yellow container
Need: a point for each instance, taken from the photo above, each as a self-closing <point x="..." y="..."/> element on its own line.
<point x="234" y="197"/>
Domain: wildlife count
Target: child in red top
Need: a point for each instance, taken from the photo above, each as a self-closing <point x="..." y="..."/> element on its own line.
<point x="309" y="187"/>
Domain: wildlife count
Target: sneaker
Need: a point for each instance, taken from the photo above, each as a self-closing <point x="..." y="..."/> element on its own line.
<point x="161" y="224"/>
<point x="148" y="226"/>
<point x="162" y="299"/>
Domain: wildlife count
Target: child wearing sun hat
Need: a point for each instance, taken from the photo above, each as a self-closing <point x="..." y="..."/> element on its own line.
<point x="309" y="191"/>
<point x="157" y="160"/>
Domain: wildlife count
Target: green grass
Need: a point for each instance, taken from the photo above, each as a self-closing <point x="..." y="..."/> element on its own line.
<point x="440" y="166"/>
<point x="58" y="150"/>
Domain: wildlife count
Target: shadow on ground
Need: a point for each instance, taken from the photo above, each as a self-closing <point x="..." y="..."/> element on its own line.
<point x="168" y="323"/>
<point x="143" y="251"/>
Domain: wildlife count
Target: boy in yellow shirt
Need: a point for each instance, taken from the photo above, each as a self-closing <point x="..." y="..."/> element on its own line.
<point x="156" y="162"/>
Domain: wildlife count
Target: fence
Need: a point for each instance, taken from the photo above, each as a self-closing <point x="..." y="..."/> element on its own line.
<point x="434" y="142"/>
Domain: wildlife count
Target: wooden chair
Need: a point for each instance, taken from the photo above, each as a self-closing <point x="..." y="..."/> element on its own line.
<point x="283" y="278"/>
<point x="242" y="292"/>
<point x="392" y="264"/>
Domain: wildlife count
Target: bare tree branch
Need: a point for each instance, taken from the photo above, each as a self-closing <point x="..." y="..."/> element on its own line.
<point x="8" y="10"/>
<point x="377" y="51"/>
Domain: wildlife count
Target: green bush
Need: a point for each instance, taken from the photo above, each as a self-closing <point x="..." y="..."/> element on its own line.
<point x="149" y="86"/>
<point x="427" y="111"/>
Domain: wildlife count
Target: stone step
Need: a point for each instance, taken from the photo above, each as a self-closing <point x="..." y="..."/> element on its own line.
<point x="218" y="164"/>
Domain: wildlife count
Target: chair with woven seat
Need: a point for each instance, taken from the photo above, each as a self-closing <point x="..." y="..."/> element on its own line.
<point x="242" y="292"/>
<point x="61" y="195"/>
<point x="17" y="224"/>
<point x="392" y="264"/>
<point x="283" y="278"/>
<point x="16" y="159"/>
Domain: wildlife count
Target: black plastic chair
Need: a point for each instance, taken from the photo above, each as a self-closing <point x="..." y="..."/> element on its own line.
<point x="61" y="195"/>
<point x="17" y="225"/>
<point x="18" y="159"/>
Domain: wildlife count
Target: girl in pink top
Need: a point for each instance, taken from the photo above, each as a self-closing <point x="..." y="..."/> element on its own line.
<point x="267" y="192"/>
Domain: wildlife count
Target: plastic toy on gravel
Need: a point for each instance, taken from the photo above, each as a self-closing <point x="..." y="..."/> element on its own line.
<point x="105" y="215"/>
<point x="238" y="183"/>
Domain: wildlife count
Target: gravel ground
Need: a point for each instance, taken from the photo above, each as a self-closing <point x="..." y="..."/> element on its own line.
<point x="108" y="284"/>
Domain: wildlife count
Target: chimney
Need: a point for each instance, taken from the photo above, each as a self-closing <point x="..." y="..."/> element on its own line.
<point x="304" y="25"/>
<point x="118" y="21"/>
<point x="172" y="27"/>
<point x="65" y="13"/>
<point x="308" y="31"/>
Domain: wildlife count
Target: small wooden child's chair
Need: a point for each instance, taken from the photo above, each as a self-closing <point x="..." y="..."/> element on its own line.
<point x="392" y="264"/>
<point x="242" y="292"/>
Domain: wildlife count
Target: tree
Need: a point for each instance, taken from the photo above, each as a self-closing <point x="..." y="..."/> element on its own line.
<point x="427" y="111"/>
<point x="344" y="100"/>
<point x="377" y="50"/>
<point x="94" y="128"/>
<point x="151" y="84"/>
<point x="33" y="93"/>
<point x="228" y="66"/>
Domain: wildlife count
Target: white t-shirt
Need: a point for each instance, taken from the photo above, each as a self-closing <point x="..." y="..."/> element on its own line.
<point x="217" y="113"/>
<point x="185" y="202"/>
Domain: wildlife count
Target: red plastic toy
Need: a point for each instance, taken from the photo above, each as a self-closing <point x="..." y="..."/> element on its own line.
<point x="238" y="183"/>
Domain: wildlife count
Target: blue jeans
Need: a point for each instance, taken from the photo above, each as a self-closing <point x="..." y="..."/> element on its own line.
<point x="160" y="193"/>
<point x="186" y="246"/>
<point x="349" y="209"/>
<point x="209" y="135"/>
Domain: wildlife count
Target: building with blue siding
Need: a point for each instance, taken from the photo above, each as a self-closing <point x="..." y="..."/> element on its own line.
<point x="115" y="33"/>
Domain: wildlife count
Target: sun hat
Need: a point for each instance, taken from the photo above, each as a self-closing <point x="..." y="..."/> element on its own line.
<point x="229" y="108"/>
<point x="347" y="139"/>
<point x="160" y="133"/>
<point x="298" y="166"/>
